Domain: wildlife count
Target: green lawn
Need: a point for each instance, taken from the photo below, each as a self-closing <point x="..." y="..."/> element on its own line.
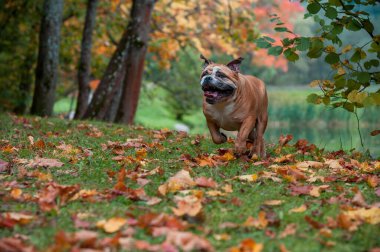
<point x="94" y="156"/>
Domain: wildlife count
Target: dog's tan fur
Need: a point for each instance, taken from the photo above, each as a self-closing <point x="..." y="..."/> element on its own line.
<point x="245" y="111"/>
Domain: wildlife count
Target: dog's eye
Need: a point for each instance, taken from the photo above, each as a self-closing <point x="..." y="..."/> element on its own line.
<point x="220" y="75"/>
<point x="203" y="74"/>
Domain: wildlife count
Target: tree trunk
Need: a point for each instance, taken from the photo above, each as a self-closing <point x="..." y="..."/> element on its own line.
<point x="139" y="27"/>
<point x="110" y="83"/>
<point x="105" y="102"/>
<point x="84" y="67"/>
<point x="48" y="58"/>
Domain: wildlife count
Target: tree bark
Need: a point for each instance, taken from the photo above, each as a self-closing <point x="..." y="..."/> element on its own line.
<point x="105" y="103"/>
<point x="48" y="58"/>
<point x="139" y="27"/>
<point x="110" y="83"/>
<point x="84" y="68"/>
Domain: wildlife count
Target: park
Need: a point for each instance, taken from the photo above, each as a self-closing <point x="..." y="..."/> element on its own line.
<point x="136" y="125"/>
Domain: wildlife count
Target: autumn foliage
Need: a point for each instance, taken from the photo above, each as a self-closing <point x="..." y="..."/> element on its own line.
<point x="135" y="189"/>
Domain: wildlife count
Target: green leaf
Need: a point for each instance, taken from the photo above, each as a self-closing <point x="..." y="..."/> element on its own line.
<point x="276" y="50"/>
<point x="331" y="13"/>
<point x="313" y="98"/>
<point x="353" y="25"/>
<point x="313" y="8"/>
<point x="303" y="44"/>
<point x="290" y="55"/>
<point x="363" y="77"/>
<point x="349" y="106"/>
<point x="326" y="100"/>
<point x="358" y="55"/>
<point x="262" y="43"/>
<point x="332" y="58"/>
<point x="335" y="3"/>
<point x="316" y="49"/>
<point x="287" y="41"/>
<point x="269" y="39"/>
<point x="281" y="29"/>
<point x="337" y="28"/>
<point x="374" y="62"/>
<point x="368" y="26"/>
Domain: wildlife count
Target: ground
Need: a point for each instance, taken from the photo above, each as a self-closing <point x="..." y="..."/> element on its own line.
<point x="75" y="184"/>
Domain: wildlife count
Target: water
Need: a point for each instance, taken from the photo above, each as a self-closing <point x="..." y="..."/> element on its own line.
<point x="336" y="138"/>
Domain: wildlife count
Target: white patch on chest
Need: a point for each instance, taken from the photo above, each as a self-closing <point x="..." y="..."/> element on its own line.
<point x="223" y="115"/>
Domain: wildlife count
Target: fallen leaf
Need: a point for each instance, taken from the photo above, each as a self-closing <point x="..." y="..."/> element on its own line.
<point x="373" y="181"/>
<point x="314" y="223"/>
<point x="371" y="215"/>
<point x="283" y="248"/>
<point x="39" y="144"/>
<point x="290" y="229"/>
<point x="188" y="205"/>
<point x="20" y="218"/>
<point x="185" y="241"/>
<point x="16" y="193"/>
<point x="248" y="245"/>
<point x="215" y="193"/>
<point x="47" y="196"/>
<point x="222" y="237"/>
<point x="316" y="190"/>
<point x="283" y="140"/>
<point x="333" y="164"/>
<point x="4" y="166"/>
<point x="10" y="244"/>
<point x="227" y="188"/>
<point x="300" y="190"/>
<point x="285" y="159"/>
<point x="44" y="162"/>
<point x="248" y="178"/>
<point x="180" y="181"/>
<point x="206" y="182"/>
<point x="260" y="223"/>
<point x="309" y="164"/>
<point x="359" y="200"/>
<point x="299" y="209"/>
<point x="326" y="232"/>
<point x="111" y="225"/>
<point x="273" y="202"/>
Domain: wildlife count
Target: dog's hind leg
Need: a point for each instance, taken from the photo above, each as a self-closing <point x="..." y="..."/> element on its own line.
<point x="261" y="126"/>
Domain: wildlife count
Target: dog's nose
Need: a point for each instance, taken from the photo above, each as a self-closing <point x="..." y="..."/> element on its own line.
<point x="207" y="79"/>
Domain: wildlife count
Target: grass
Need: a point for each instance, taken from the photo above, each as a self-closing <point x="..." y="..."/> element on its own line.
<point x="93" y="172"/>
<point x="289" y="113"/>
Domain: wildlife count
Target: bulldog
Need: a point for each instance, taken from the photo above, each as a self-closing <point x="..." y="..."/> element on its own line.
<point x="233" y="101"/>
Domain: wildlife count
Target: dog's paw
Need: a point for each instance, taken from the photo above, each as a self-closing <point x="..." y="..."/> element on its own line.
<point x="240" y="149"/>
<point x="223" y="137"/>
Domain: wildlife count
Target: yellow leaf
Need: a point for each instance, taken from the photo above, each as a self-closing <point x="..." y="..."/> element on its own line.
<point x="273" y="202"/>
<point x="248" y="178"/>
<point x="315" y="83"/>
<point x="371" y="216"/>
<point x="112" y="225"/>
<point x="299" y="209"/>
<point x="16" y="193"/>
<point x="347" y="48"/>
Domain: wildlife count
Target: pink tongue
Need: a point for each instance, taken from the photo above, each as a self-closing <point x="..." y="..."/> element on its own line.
<point x="210" y="94"/>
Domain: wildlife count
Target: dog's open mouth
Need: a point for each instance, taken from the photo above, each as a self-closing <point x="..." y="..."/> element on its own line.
<point x="213" y="93"/>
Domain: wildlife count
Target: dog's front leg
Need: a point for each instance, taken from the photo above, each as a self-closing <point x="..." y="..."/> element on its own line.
<point x="244" y="131"/>
<point x="217" y="137"/>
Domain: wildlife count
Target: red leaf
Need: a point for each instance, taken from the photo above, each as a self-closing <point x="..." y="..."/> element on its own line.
<point x="206" y="182"/>
<point x="299" y="190"/>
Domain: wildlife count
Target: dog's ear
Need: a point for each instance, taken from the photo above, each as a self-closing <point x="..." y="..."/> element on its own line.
<point x="207" y="61"/>
<point x="235" y="64"/>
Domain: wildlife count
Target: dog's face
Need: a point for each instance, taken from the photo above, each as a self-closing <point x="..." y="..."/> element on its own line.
<point x="219" y="82"/>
